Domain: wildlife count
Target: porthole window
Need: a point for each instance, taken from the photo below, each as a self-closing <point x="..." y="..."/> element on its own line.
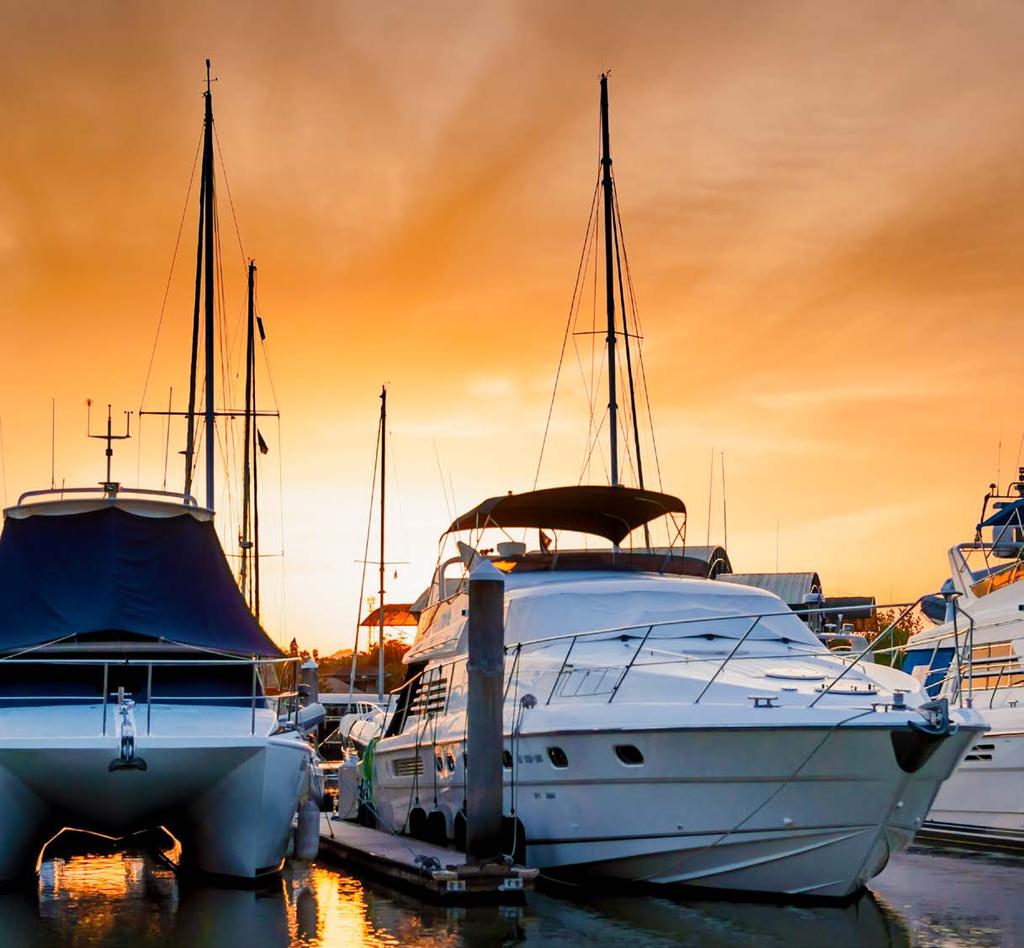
<point x="557" y="757"/>
<point x="629" y="755"/>
<point x="506" y="759"/>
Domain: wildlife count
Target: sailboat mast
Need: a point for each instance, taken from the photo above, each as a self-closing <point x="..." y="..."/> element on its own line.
<point x="609" y="275"/>
<point x="248" y="455"/>
<point x="383" y="494"/>
<point x="256" y="451"/>
<point x="208" y="253"/>
<point x="190" y="436"/>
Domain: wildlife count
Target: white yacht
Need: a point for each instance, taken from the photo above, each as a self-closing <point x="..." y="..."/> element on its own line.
<point x="659" y="726"/>
<point x="975" y="654"/>
<point x="137" y="686"/>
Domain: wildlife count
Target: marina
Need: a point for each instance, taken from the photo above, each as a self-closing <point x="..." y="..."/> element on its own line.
<point x="127" y="899"/>
<point x="551" y="680"/>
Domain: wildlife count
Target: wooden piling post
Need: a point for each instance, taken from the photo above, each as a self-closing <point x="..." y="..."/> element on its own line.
<point x="485" y="668"/>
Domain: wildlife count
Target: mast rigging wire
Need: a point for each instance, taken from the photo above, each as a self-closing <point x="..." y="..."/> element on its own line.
<point x="565" y="336"/>
<point x="170" y="274"/>
<point x="366" y="556"/>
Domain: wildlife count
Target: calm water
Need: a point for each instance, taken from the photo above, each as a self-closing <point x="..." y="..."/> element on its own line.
<point x="925" y="897"/>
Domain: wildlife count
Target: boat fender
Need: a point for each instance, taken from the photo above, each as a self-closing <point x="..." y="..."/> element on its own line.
<point x="307" y="831"/>
<point x="914" y="746"/>
<point x="347" y="801"/>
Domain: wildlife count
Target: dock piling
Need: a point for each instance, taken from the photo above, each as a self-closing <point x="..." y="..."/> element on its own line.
<point x="485" y="667"/>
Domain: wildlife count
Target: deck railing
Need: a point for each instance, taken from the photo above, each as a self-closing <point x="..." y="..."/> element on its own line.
<point x="287" y="703"/>
<point x="575" y="680"/>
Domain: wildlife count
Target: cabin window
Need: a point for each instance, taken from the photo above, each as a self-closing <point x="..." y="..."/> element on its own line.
<point x="995" y="666"/>
<point x="557" y="757"/>
<point x="439" y="763"/>
<point x="429" y="694"/>
<point x="451" y="763"/>
<point x="506" y="759"/>
<point x="630" y="755"/>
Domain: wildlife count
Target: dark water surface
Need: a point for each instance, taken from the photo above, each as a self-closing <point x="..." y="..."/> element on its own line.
<point x="925" y="897"/>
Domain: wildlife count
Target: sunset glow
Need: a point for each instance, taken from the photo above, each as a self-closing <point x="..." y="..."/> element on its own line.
<point x="823" y="210"/>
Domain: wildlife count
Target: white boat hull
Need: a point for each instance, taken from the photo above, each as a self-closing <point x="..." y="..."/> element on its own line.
<point x="228" y="797"/>
<point x="985" y="790"/>
<point x="797" y="811"/>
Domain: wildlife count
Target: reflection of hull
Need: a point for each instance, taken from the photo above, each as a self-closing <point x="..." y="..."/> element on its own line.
<point x="797" y="811"/>
<point x="985" y="792"/>
<point x="227" y="794"/>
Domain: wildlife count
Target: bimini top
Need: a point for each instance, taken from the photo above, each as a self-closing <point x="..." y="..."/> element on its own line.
<point x="1004" y="514"/>
<point x="105" y="569"/>
<point x="609" y="512"/>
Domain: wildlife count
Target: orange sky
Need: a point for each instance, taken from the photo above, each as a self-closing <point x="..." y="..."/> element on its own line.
<point x="823" y="204"/>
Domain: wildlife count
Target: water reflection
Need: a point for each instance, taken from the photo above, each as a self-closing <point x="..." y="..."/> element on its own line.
<point x="128" y="898"/>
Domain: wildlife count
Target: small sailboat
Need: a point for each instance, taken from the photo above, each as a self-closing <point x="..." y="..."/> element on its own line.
<point x="137" y="687"/>
<point x="659" y="726"/>
<point x="976" y="651"/>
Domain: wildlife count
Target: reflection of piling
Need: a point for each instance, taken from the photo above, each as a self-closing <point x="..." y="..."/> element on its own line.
<point x="485" y="668"/>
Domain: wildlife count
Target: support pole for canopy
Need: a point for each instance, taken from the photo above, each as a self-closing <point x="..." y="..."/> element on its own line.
<point x="609" y="278"/>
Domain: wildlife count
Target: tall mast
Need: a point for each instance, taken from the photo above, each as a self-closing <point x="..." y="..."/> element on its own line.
<point x="190" y="437"/>
<point x="208" y="240"/>
<point x="609" y="279"/>
<point x="248" y="454"/>
<point x="383" y="494"/>
<point x="256" y="323"/>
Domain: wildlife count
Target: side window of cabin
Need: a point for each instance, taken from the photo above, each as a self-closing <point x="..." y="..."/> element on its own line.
<point x="996" y="666"/>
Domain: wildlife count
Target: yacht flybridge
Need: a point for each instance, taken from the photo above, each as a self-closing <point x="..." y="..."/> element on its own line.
<point x="975" y="653"/>
<point x="137" y="687"/>
<point x="658" y="726"/>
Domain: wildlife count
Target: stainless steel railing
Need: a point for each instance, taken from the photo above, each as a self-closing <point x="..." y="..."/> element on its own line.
<point x="600" y="680"/>
<point x="287" y="703"/>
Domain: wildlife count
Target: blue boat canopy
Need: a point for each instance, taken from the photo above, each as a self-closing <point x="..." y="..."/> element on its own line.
<point x="109" y="570"/>
<point x="1008" y="513"/>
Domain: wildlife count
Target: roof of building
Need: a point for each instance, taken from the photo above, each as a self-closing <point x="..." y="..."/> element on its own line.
<point x="791" y="588"/>
<point x="395" y="614"/>
<point x="856" y="607"/>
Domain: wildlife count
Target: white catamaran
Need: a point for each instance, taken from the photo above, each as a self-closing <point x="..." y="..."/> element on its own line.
<point x="137" y="687"/>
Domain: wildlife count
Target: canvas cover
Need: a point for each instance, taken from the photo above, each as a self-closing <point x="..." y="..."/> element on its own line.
<point x="110" y="570"/>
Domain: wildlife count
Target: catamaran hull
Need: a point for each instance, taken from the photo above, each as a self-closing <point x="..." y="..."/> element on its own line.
<point x="802" y="811"/>
<point x="230" y="802"/>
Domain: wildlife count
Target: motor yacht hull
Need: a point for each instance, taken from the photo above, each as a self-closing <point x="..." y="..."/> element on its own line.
<point x="984" y="793"/>
<point x="793" y="811"/>
<point x="228" y="798"/>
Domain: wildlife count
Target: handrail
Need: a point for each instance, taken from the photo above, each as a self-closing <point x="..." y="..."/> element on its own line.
<point x="725" y="661"/>
<point x="694" y="619"/>
<point x="888" y="632"/>
<point x="187" y="499"/>
<point x="159" y="662"/>
<point x="255" y="694"/>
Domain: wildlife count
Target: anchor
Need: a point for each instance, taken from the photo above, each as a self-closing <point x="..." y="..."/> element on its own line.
<point x="127" y="760"/>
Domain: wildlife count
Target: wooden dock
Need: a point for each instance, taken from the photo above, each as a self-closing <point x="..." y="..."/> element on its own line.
<point x="430" y="871"/>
